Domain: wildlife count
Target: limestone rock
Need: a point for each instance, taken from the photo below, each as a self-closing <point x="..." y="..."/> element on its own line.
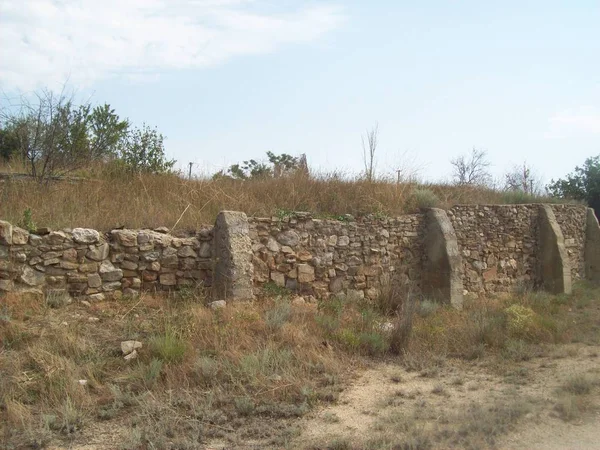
<point x="85" y="235"/>
<point x="127" y="238"/>
<point x="32" y="277"/>
<point x="108" y="272"/>
<point x="289" y="238"/>
<point x="129" y="346"/>
<point x="168" y="279"/>
<point x="306" y="273"/>
<point x="98" y="252"/>
<point x="186" y="252"/>
<point x="131" y="356"/>
<point x="19" y="236"/>
<point x="218" y="304"/>
<point x="5" y="233"/>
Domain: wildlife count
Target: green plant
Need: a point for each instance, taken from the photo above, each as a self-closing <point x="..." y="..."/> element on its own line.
<point x="275" y="318"/>
<point x="244" y="406"/>
<point x="425" y="198"/>
<point x="27" y="221"/>
<point x="168" y="346"/>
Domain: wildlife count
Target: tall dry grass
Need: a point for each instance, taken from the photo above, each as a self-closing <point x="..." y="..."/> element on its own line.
<point x="103" y="201"/>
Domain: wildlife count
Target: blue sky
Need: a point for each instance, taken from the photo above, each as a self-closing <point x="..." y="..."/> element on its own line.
<point x="227" y="80"/>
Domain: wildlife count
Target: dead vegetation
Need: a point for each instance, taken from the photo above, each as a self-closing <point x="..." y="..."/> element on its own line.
<point x="245" y="374"/>
<point x="101" y="200"/>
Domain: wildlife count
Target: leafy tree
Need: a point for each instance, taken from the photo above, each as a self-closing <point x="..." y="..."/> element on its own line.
<point x="281" y="165"/>
<point x="143" y="151"/>
<point x="583" y="184"/>
<point x="9" y="143"/>
<point x="54" y="136"/>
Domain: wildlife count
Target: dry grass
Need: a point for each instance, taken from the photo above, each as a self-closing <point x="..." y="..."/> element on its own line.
<point x="103" y="201"/>
<point x="204" y="375"/>
<point x="200" y="375"/>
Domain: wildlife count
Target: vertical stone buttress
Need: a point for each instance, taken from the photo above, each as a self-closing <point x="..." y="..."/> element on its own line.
<point x="233" y="271"/>
<point x="553" y="262"/>
<point x="442" y="268"/>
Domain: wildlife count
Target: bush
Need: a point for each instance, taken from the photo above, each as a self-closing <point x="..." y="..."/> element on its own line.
<point x="168" y="347"/>
<point x="426" y="198"/>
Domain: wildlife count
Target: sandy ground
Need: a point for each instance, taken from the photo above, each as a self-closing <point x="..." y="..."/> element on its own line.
<point x="440" y="399"/>
<point x="442" y="396"/>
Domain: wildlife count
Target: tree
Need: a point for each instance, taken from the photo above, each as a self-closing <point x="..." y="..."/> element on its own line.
<point x="54" y="136"/>
<point x="143" y="151"/>
<point x="583" y="184"/>
<point x="523" y="179"/>
<point x="281" y="165"/>
<point x="471" y="170"/>
<point x="9" y="143"/>
<point x="369" y="148"/>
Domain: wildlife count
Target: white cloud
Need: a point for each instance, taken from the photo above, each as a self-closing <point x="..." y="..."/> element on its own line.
<point x="585" y="120"/>
<point x="45" y="41"/>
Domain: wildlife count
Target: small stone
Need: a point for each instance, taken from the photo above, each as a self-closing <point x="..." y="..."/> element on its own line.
<point x="186" y="252"/>
<point x="82" y="382"/>
<point x="218" y="304"/>
<point x="278" y="278"/>
<point x="97" y="297"/>
<point x="64" y="324"/>
<point x="289" y="238"/>
<point x="343" y="241"/>
<point x="127" y="238"/>
<point x="131" y="356"/>
<point x="298" y="301"/>
<point x="205" y="250"/>
<point x="93" y="319"/>
<point x="86" y="303"/>
<point x="162" y="230"/>
<point x="168" y="279"/>
<point x="306" y="273"/>
<point x="272" y="245"/>
<point x="98" y="252"/>
<point x="32" y="277"/>
<point x="129" y="346"/>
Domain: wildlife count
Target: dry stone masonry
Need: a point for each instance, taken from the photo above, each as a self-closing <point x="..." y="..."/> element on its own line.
<point x="469" y="249"/>
<point x="324" y="257"/>
<point x="84" y="262"/>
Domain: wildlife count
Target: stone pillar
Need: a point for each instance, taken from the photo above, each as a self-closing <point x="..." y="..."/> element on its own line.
<point x="554" y="267"/>
<point x="442" y="269"/>
<point x="233" y="272"/>
<point x="592" y="247"/>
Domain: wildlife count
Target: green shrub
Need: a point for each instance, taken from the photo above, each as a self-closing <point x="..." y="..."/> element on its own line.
<point x="275" y="318"/>
<point x="168" y="347"/>
<point x="425" y="198"/>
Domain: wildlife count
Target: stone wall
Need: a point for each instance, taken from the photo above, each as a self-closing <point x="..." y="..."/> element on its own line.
<point x="474" y="248"/>
<point x="323" y="257"/>
<point x="498" y="245"/>
<point x="85" y="262"/>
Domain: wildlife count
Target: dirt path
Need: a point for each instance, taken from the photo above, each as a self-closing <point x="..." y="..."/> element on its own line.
<point x="466" y="405"/>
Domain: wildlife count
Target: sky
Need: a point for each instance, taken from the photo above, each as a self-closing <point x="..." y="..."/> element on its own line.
<point x="229" y="80"/>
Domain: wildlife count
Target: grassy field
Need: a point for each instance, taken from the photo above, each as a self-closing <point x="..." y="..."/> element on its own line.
<point x="251" y="374"/>
<point x="102" y="201"/>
